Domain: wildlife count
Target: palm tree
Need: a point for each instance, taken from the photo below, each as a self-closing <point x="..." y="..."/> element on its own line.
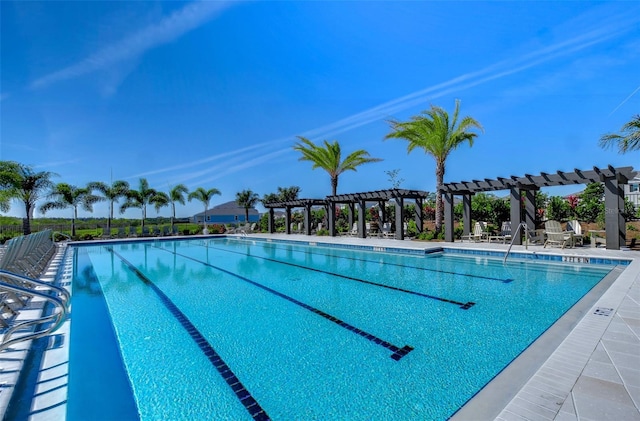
<point x="160" y="200"/>
<point x="112" y="193"/>
<point x="64" y="196"/>
<point x="628" y="141"/>
<point x="438" y="134"/>
<point x="20" y="182"/>
<point x="139" y="198"/>
<point x="203" y="196"/>
<point x="176" y="194"/>
<point x="247" y="199"/>
<point x="328" y="158"/>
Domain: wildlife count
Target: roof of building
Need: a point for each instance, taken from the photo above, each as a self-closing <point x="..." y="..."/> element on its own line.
<point x="228" y="208"/>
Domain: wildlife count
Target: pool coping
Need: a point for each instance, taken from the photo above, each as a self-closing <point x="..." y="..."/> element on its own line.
<point x="559" y="388"/>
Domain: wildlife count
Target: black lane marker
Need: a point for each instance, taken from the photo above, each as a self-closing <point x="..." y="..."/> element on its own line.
<point x="463" y="306"/>
<point x="506" y="281"/>
<point x="397" y="351"/>
<point x="254" y="408"/>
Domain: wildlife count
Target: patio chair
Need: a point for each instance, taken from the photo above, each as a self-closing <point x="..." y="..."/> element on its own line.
<point x="576" y="228"/>
<point x="165" y="230"/>
<point x="556" y="236"/>
<point x="354" y="230"/>
<point x="133" y="232"/>
<point x="479" y="233"/>
<point x="106" y="232"/>
<point x="121" y="232"/>
<point x="386" y="231"/>
<point x="505" y="233"/>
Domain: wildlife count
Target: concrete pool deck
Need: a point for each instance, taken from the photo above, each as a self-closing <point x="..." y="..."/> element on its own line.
<point x="590" y="371"/>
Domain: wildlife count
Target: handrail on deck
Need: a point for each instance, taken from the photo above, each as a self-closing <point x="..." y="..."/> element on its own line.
<point x="513" y="238"/>
<point x="60" y="298"/>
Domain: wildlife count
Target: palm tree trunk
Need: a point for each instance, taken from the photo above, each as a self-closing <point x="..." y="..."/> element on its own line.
<point x="246" y="215"/>
<point x="110" y="216"/>
<point x="73" y="221"/>
<point x="334" y="185"/>
<point x="26" y="222"/>
<point x="144" y="215"/>
<point x="439" y="204"/>
<point x="173" y="214"/>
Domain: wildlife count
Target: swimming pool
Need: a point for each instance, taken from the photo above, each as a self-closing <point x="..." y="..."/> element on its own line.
<point x="233" y="329"/>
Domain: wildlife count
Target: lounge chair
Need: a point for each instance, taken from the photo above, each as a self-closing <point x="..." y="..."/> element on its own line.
<point x="479" y="233"/>
<point x="165" y="230"/>
<point x="146" y="232"/>
<point x="576" y="228"/>
<point x="133" y="232"/>
<point x="121" y="232"/>
<point x="386" y="231"/>
<point x="106" y="232"/>
<point x="505" y="233"/>
<point x="556" y="236"/>
<point x="354" y="230"/>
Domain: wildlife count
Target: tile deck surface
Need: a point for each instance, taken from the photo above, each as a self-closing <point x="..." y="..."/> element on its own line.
<point x="594" y="373"/>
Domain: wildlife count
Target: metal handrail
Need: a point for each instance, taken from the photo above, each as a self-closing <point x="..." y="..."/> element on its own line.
<point x="57" y="318"/>
<point x="513" y="238"/>
<point x="53" y="233"/>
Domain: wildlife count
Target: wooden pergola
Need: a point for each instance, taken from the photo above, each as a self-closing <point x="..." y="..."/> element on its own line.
<point x="380" y="197"/>
<point x="307" y="204"/>
<point x="613" y="178"/>
<point x="351" y="200"/>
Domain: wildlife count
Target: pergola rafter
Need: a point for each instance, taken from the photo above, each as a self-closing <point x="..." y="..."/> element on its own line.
<point x="613" y="179"/>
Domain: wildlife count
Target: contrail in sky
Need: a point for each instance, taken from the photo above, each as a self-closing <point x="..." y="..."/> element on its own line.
<point x="625" y="100"/>
<point x="178" y="23"/>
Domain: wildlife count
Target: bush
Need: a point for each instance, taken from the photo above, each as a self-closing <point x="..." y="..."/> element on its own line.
<point x="323" y="232"/>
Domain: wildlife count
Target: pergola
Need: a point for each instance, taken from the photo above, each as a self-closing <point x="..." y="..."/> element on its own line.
<point x="351" y="200"/>
<point x="307" y="204"/>
<point x="613" y="179"/>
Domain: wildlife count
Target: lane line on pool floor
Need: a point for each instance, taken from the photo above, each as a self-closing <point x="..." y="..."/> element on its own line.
<point x="505" y="281"/>
<point x="463" y="306"/>
<point x="398" y="352"/>
<point x="241" y="392"/>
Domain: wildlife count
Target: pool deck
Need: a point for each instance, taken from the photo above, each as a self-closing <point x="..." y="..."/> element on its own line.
<point x="589" y="372"/>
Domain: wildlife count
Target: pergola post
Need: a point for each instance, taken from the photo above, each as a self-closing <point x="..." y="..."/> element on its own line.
<point x="352" y="211"/>
<point x="466" y="214"/>
<point x="383" y="210"/>
<point x="307" y="219"/>
<point x="362" y="218"/>
<point x="331" y="217"/>
<point x="516" y="213"/>
<point x="287" y="220"/>
<point x="399" y="218"/>
<point x="613" y="218"/>
<point x="530" y="209"/>
<point x="448" y="217"/>
<point x="271" y="221"/>
<point x="419" y="215"/>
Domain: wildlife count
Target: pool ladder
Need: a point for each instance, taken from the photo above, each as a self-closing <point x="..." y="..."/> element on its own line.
<point x="513" y="238"/>
<point x="58" y="296"/>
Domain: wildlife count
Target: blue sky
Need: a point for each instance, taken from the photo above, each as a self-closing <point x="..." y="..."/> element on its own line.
<point x="213" y="94"/>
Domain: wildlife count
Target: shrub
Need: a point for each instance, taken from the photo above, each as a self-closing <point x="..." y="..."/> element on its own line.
<point x="323" y="232"/>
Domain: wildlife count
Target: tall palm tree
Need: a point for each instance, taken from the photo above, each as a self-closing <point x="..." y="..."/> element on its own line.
<point x="628" y="141"/>
<point x="112" y="193"/>
<point x="176" y="194"/>
<point x="328" y="157"/>
<point x="139" y="198"/>
<point x="247" y="199"/>
<point x="438" y="134"/>
<point x="65" y="195"/>
<point x="160" y="200"/>
<point x="21" y="182"/>
<point x="203" y="196"/>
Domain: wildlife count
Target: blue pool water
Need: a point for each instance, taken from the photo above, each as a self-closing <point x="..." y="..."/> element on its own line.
<point x="238" y="329"/>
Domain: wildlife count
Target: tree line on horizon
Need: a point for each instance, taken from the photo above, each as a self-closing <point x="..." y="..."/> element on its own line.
<point x="433" y="130"/>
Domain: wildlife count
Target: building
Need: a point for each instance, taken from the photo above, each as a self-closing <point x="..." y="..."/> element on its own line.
<point x="632" y="191"/>
<point x="227" y="213"/>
